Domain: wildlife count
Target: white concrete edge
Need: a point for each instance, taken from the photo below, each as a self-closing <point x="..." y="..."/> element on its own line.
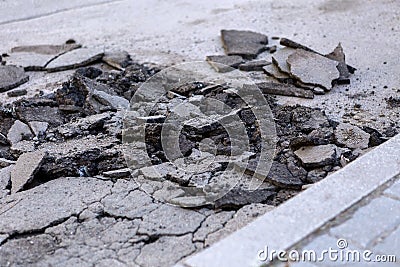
<point x="300" y="216"/>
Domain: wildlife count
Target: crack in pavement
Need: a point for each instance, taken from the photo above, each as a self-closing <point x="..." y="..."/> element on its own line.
<point x="33" y="232"/>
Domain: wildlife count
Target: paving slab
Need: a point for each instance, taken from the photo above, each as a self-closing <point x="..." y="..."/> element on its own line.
<point x="369" y="222"/>
<point x="390" y="245"/>
<point x="394" y="190"/>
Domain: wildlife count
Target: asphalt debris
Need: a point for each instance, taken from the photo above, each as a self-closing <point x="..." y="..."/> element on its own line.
<point x="292" y="64"/>
<point x="37" y="57"/>
<point x="219" y="63"/>
<point x="247" y="44"/>
<point x="284" y="89"/>
<point x="74" y="59"/>
<point x="17" y="92"/>
<point x="25" y="169"/>
<point x="311" y="68"/>
<point x="11" y="77"/>
<point x="68" y="145"/>
<point x="117" y="59"/>
<point x="254" y="65"/>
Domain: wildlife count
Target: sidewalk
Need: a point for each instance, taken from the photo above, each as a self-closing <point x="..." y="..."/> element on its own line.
<point x="373" y="225"/>
<point x="357" y="208"/>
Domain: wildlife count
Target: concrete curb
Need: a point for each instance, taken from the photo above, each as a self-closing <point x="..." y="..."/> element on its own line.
<point x="302" y="215"/>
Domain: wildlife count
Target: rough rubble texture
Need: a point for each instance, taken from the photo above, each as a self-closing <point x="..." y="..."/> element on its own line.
<point x="67" y="197"/>
<point x="78" y="205"/>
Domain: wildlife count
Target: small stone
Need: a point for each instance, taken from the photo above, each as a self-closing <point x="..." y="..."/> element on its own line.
<point x="296" y="170"/>
<point x="351" y="136"/>
<point x="11" y="77"/>
<point x="247" y="44"/>
<point x="375" y="138"/>
<point x="255" y="65"/>
<point x="116" y="174"/>
<point x="17" y="92"/>
<point x="24" y="170"/>
<point x="18" y="132"/>
<point x="311" y="68"/>
<point x="224" y="63"/>
<point x="39" y="128"/>
<point x="89" y="123"/>
<point x="318" y="91"/>
<point x="317" y="156"/>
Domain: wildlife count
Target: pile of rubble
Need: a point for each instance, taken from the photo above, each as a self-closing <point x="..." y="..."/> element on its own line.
<point x="76" y="131"/>
<point x="295" y="70"/>
<point x="65" y="185"/>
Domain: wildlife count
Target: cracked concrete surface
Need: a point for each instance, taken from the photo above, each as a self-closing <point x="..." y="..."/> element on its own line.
<point x="92" y="227"/>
